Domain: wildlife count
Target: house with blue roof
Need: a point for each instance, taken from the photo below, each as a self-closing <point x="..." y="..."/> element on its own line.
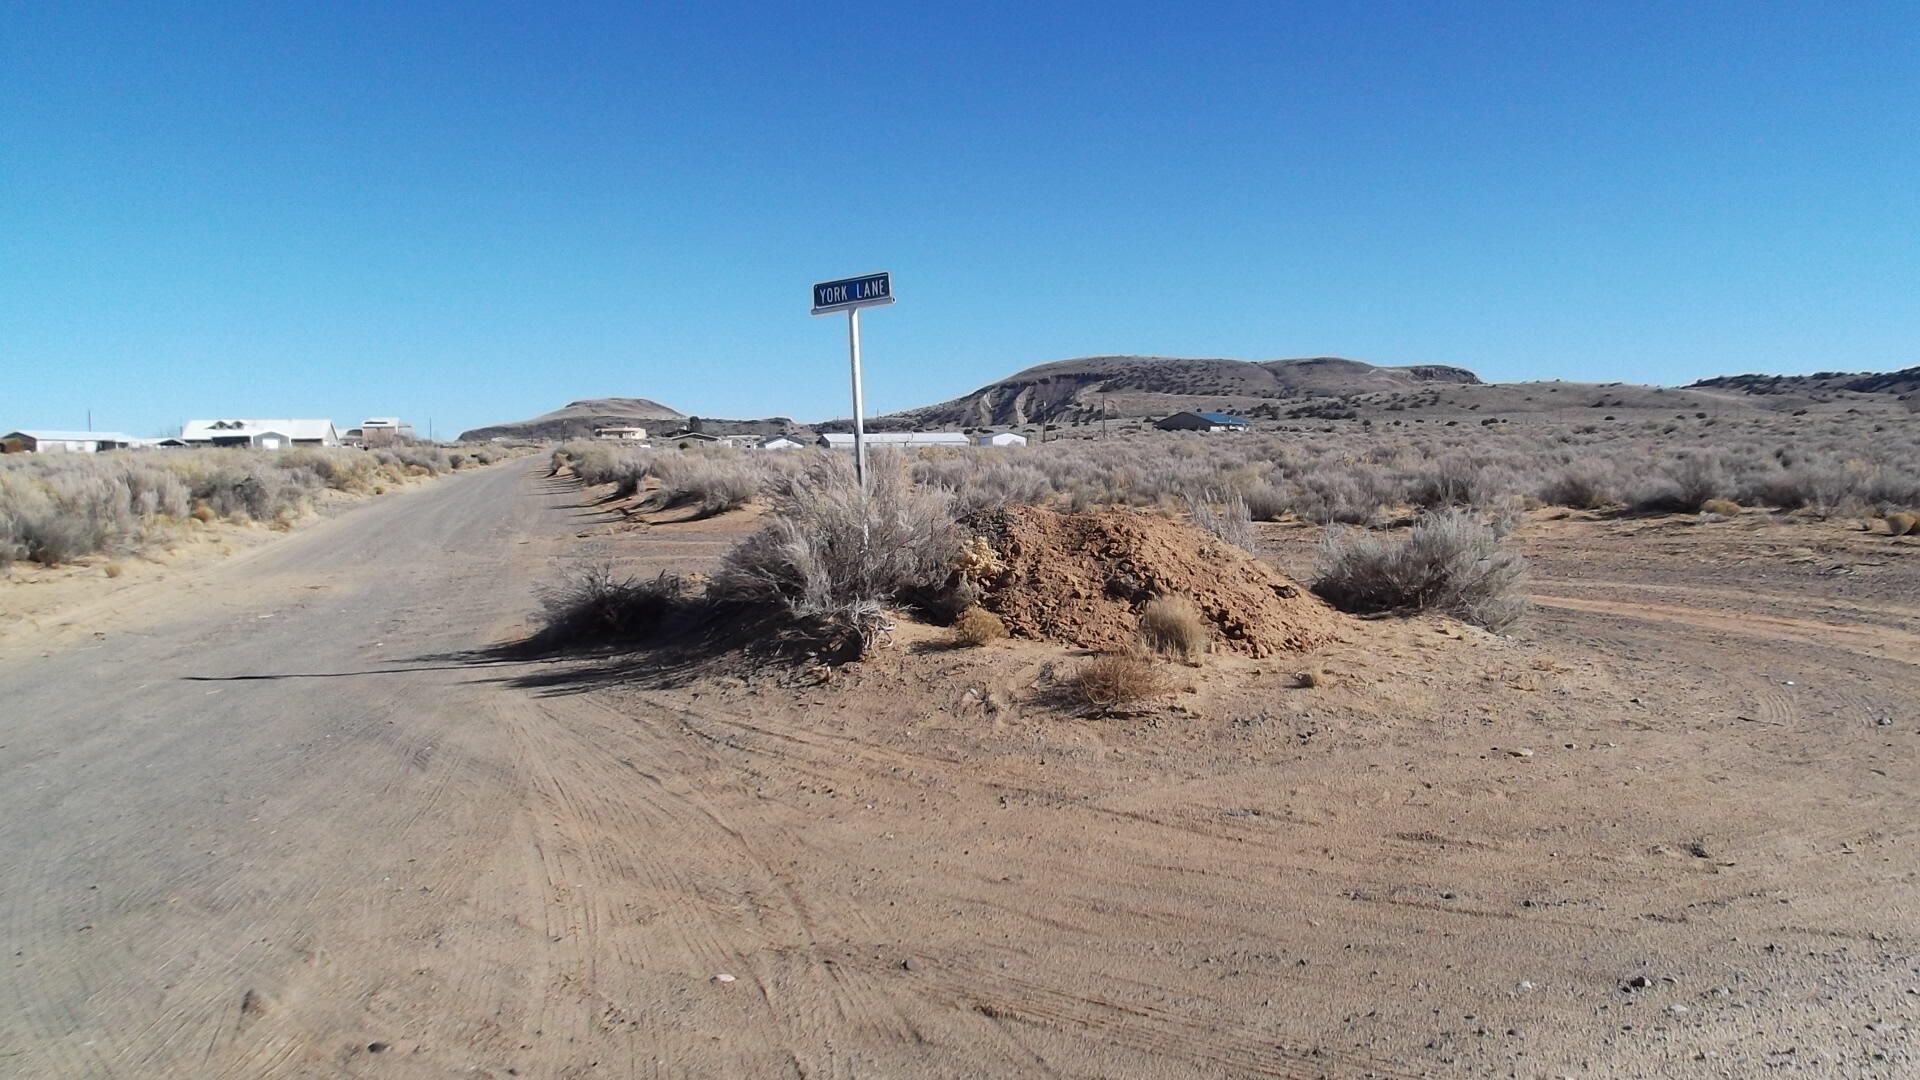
<point x="1204" y="421"/>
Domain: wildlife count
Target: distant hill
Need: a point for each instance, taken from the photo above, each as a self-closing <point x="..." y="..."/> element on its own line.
<point x="577" y="419"/>
<point x="1901" y="384"/>
<point x="1157" y="385"/>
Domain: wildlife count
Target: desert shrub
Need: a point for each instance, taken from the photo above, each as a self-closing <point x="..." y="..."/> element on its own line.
<point x="834" y="559"/>
<point x="1265" y="502"/>
<point x="1113" y="679"/>
<point x="1588" y="485"/>
<point x="983" y="484"/>
<point x="598" y="603"/>
<point x="1174" y="626"/>
<point x="61" y="539"/>
<point x="1899" y="523"/>
<point x="711" y="485"/>
<point x="13" y="540"/>
<point x="1822" y="488"/>
<point x="1450" y="480"/>
<point x="978" y="626"/>
<point x="1345" y="495"/>
<point x="1232" y="522"/>
<point x="1683" y="487"/>
<point x="1450" y="563"/>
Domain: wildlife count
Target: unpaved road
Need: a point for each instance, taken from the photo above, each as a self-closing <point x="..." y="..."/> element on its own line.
<point x="281" y="822"/>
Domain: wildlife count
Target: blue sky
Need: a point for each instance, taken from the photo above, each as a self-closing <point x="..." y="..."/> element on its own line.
<point x="471" y="212"/>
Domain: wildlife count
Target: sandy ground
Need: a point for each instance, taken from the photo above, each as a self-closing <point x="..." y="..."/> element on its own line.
<point x="1664" y="829"/>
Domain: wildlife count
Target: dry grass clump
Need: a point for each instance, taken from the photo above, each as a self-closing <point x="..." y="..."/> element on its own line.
<point x="1232" y="522"/>
<point x="1723" y="507"/>
<point x="1113" y="679"/>
<point x="977" y="626"/>
<point x="597" y="603"/>
<point x="1450" y="563"/>
<point x="835" y="559"/>
<point x="1173" y="626"/>
<point x="1901" y="523"/>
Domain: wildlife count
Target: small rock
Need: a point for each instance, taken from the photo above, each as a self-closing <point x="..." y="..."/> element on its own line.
<point x="909" y="965"/>
<point x="723" y="977"/>
<point x="1525" y="985"/>
<point x="1521" y="752"/>
<point x="376" y="1048"/>
<point x="1678" y="1010"/>
<point x="1639" y="982"/>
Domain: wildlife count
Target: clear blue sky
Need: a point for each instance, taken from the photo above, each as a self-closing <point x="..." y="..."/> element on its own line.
<point x="474" y="212"/>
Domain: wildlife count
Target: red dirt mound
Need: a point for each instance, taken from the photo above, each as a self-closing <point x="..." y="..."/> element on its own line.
<point x="1083" y="578"/>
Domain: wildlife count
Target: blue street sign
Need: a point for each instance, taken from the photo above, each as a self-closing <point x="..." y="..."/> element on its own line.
<point x="845" y="294"/>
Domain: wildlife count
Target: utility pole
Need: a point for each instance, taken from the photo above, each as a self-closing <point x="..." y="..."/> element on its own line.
<point x="1103" y="414"/>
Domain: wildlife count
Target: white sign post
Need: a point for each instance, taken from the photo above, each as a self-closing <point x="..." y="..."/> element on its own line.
<point x="850" y="295"/>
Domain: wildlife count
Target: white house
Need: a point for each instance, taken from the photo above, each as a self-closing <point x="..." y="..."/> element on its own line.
<point x="999" y="438"/>
<point x="262" y="434"/>
<point x="901" y="439"/>
<point x="781" y="442"/>
<point x="621" y="434"/>
<point x="63" y="442"/>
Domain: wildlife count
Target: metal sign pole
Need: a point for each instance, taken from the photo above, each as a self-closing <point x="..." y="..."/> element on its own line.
<point x="859" y="406"/>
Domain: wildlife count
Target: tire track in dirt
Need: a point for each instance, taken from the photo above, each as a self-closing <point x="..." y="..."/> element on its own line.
<point x="736" y="912"/>
<point x="1880" y="643"/>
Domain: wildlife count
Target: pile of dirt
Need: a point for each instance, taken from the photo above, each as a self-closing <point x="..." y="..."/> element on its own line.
<point x="1081" y="579"/>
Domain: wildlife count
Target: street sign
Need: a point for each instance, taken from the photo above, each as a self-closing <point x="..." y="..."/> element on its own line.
<point x="850" y="295"/>
<point x="846" y="294"/>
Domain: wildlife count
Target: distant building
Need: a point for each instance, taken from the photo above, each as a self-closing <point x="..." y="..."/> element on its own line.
<point x="63" y="442"/>
<point x="621" y="434"/>
<point x="904" y="439"/>
<point x="260" y="434"/>
<point x="999" y="438"/>
<point x="781" y="442"/>
<point x="740" y="442"/>
<point x="688" y="439"/>
<point x="1204" y="421"/>
<point x="378" y="431"/>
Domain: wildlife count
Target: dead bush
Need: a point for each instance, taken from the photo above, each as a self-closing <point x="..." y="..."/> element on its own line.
<point x="978" y="626"/>
<point x="1111" y="680"/>
<point x="1174" y="626"/>
<point x="1902" y="523"/>
<point x="1450" y="563"/>
<point x="598" y="603"/>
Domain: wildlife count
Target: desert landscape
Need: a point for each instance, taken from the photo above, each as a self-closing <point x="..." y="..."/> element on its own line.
<point x="1393" y="746"/>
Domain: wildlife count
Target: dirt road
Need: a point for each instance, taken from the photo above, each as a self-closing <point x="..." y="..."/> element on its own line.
<point x="280" y="822"/>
